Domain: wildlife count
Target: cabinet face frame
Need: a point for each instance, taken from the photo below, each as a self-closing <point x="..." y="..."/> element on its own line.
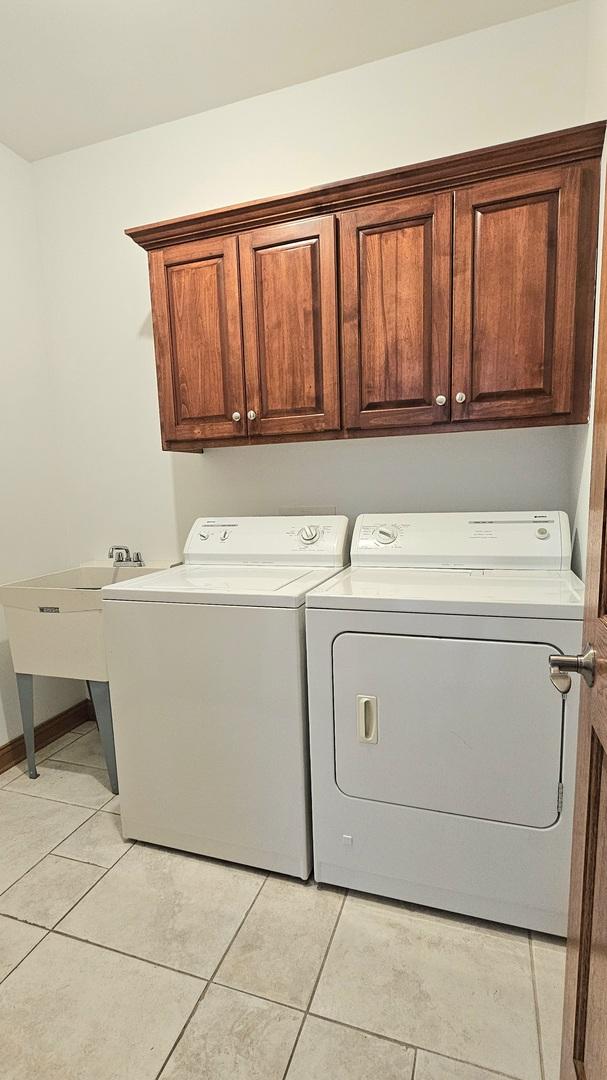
<point x="557" y="193"/>
<point x="372" y="307"/>
<point x="264" y="267"/>
<point x="218" y="258"/>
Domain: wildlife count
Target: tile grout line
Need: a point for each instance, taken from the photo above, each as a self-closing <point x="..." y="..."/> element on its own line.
<point x="84" y="862"/>
<point x="47" y="853"/>
<point x="316" y="982"/>
<point x="210" y="981"/>
<point x="538" y="1023"/>
<point x="29" y="952"/>
<point x="414" y="1069"/>
<point x="50" y="798"/>
<point x="413" y="1046"/>
<point x="52" y="929"/>
<point x="39" y="761"/>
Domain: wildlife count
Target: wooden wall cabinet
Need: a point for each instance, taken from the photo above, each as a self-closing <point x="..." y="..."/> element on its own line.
<point x="520" y="287"/>
<point x="462" y="290"/>
<point x="197" y="331"/>
<point x="396" y="312"/>
<point x="289" y="320"/>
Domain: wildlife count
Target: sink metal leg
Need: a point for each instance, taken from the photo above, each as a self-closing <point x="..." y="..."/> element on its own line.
<point x="25" y="689"/>
<point x="100" y="694"/>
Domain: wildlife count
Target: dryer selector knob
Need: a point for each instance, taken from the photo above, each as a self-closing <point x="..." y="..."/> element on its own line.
<point x="386" y="534"/>
<point x="309" y="534"/>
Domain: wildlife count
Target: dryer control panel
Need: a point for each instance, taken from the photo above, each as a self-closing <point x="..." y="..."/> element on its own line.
<point x="296" y="541"/>
<point x="529" y="540"/>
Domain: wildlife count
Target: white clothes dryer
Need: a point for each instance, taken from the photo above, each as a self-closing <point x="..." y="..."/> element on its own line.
<point x="206" y="666"/>
<point x="443" y="759"/>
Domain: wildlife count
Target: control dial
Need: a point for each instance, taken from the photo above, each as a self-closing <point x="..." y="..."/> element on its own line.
<point x="387" y="534"/>
<point x="309" y="534"/>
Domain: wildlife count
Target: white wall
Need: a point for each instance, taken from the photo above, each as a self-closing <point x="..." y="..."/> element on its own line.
<point x="33" y="523"/>
<point x="506" y="82"/>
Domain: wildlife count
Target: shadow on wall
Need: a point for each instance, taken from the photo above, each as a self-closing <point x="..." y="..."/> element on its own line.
<point x="485" y="470"/>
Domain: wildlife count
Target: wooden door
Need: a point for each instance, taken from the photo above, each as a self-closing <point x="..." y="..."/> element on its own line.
<point x="396" y="312"/>
<point x="523" y="295"/>
<point x="196" y="312"/>
<point x="288" y="276"/>
<point x="584" y="1053"/>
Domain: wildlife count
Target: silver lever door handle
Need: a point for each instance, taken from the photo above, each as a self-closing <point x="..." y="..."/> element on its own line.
<point x="561" y="666"/>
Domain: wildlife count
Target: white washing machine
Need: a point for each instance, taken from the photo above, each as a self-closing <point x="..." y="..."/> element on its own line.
<point x="206" y="666"/>
<point x="443" y="759"/>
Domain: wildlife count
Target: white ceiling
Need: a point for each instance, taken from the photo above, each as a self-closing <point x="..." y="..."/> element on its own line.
<point x="74" y="72"/>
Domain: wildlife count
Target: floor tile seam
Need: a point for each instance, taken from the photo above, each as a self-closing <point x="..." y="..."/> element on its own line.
<point x="76" y="764"/>
<point x="260" y="997"/>
<point x="239" y="928"/>
<point x="41" y="760"/>
<point x="316" y="982"/>
<point x="83" y="862"/>
<point x="327" y="950"/>
<point x="51" y="798"/>
<point x="29" y="951"/>
<point x="183" y="1030"/>
<point x="210" y="981"/>
<point x="536" y="1005"/>
<point x="105" y="869"/>
<point x="52" y="850"/>
<point x="122" y="952"/>
<point x="417" y="1048"/>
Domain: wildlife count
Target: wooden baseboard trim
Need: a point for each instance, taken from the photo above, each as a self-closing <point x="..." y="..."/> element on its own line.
<point x="14" y="751"/>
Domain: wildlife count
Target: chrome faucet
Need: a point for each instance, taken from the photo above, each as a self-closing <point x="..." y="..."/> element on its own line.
<point x="122" y="556"/>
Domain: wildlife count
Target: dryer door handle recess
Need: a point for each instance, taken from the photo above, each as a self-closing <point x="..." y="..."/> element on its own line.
<point x="366" y="718"/>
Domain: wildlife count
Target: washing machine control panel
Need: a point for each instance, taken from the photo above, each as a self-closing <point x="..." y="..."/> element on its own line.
<point x="525" y="540"/>
<point x="293" y="541"/>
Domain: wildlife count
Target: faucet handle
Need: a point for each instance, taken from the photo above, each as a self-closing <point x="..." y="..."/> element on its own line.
<point x="137" y="558"/>
<point x="119" y="553"/>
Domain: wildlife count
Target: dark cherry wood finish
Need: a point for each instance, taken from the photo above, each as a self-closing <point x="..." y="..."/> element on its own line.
<point x="395" y="304"/>
<point x="584" y="1051"/>
<point x="516" y="259"/>
<point x="521" y="271"/>
<point x="289" y="319"/>
<point x="197" y="333"/>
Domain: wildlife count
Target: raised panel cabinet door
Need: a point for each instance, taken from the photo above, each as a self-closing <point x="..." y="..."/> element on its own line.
<point x="396" y="312"/>
<point x="523" y="281"/>
<point x="196" y="314"/>
<point x="288" y="277"/>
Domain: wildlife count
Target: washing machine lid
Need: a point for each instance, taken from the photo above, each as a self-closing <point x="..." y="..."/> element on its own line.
<point x="488" y="540"/>
<point x="520" y="594"/>
<point x="197" y="583"/>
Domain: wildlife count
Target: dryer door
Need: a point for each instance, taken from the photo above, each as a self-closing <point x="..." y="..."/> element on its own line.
<point x="448" y="724"/>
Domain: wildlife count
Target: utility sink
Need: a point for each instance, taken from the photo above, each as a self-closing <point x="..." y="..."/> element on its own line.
<point x="54" y="622"/>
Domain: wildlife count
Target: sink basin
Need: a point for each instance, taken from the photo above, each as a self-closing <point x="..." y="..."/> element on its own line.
<point x="54" y="622"/>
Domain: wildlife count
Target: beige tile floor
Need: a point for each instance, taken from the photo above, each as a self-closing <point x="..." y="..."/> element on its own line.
<point x="123" y="961"/>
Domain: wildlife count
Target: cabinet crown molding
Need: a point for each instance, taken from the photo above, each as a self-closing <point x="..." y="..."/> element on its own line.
<point x="540" y="151"/>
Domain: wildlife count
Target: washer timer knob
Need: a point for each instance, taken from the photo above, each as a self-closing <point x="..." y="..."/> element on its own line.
<point x="309" y="534"/>
<point x="386" y="534"/>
